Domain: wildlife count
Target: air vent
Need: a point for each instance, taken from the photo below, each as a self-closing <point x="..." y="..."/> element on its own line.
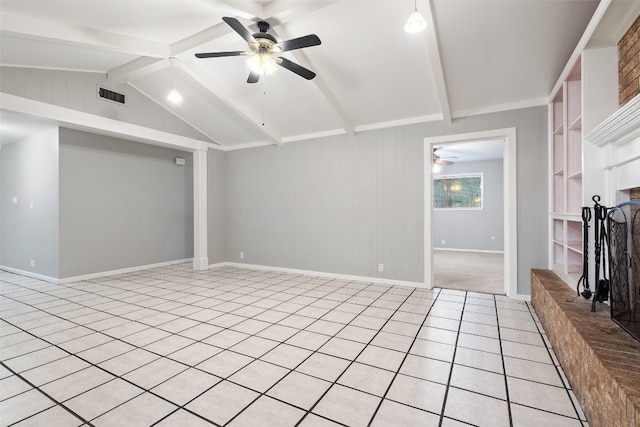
<point x="110" y="95"/>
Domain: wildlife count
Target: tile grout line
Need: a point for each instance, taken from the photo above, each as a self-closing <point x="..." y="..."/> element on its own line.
<point x="354" y="359"/>
<point x="65" y="407"/>
<point x="504" y="368"/>
<point x="562" y="380"/>
<point x="397" y="372"/>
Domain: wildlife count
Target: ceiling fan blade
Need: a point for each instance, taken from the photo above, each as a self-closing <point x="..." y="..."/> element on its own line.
<point x="240" y="29"/>
<point x="253" y="77"/>
<point x="220" y="54"/>
<point x="298" y="69"/>
<point x="299" y="43"/>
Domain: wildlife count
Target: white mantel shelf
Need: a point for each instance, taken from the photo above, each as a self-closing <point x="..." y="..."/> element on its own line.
<point x="620" y="128"/>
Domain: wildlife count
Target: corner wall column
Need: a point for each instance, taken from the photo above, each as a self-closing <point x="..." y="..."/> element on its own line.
<point x="200" y="256"/>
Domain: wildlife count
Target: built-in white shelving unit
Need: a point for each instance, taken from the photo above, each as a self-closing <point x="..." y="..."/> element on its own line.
<point x="565" y="151"/>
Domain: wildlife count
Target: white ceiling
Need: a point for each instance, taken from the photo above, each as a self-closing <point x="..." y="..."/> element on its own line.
<point x="476" y="56"/>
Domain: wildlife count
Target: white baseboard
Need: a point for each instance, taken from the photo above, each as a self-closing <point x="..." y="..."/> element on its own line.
<point x="122" y="271"/>
<point x="322" y="274"/>
<point x="29" y="274"/>
<point x="92" y="275"/>
<point x="378" y="280"/>
<point x="468" y="250"/>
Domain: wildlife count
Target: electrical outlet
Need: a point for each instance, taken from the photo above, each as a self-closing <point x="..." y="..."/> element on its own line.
<point x="14" y="200"/>
<point x="241" y="255"/>
<point x="380" y="268"/>
<point x="442" y="242"/>
<point x="32" y="263"/>
<point x="31" y="204"/>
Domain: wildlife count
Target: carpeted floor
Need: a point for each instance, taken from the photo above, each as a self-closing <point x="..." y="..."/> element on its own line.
<point x="469" y="271"/>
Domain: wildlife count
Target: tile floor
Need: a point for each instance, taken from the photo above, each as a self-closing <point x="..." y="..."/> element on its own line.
<point x="237" y="347"/>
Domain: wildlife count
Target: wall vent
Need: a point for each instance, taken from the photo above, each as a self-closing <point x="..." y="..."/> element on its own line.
<point x="110" y="95"/>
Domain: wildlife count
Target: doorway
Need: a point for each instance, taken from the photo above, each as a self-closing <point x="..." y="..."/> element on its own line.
<point x="507" y="138"/>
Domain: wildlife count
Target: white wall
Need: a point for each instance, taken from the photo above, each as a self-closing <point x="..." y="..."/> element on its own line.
<point x="481" y="230"/>
<point x="29" y="172"/>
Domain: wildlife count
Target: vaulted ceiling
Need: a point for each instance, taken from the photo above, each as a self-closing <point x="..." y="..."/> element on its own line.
<point x="476" y="56"/>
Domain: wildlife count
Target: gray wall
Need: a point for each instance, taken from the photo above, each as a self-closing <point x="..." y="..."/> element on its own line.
<point x="29" y="171"/>
<point x="340" y="205"/>
<point x="216" y="206"/>
<point x="122" y="204"/>
<point x="77" y="91"/>
<point x="474" y="229"/>
<point x="346" y="204"/>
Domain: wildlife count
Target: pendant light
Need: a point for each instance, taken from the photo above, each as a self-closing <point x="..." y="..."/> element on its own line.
<point x="174" y="96"/>
<point x="415" y="23"/>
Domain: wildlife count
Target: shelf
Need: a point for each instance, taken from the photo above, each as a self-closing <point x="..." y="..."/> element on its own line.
<point x="576" y="124"/>
<point x="559" y="130"/>
<point x="575" y="175"/>
<point x="566" y="166"/>
<point x="577" y="248"/>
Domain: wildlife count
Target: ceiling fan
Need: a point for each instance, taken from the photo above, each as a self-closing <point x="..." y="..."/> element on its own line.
<point x="265" y="49"/>
<point x="442" y="160"/>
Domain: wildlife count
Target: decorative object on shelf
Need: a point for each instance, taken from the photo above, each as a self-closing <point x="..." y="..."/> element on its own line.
<point x="264" y="50"/>
<point x="416" y="23"/>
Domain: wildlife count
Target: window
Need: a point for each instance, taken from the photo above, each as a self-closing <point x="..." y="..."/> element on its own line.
<point x="458" y="191"/>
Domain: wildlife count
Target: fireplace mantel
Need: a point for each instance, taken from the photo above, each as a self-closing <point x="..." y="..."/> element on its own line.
<point x="618" y="140"/>
<point x="620" y="128"/>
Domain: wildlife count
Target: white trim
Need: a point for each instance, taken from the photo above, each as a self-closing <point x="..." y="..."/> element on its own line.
<point x="93" y="275"/>
<point x="200" y="256"/>
<point x="620" y="128"/>
<point x="530" y="103"/>
<point x="401" y="122"/>
<point x="29" y="274"/>
<point x="315" y="135"/>
<point x="80" y="120"/>
<point x="482" y="251"/>
<point x="321" y="274"/>
<point x="246" y="145"/>
<point x="510" y="203"/>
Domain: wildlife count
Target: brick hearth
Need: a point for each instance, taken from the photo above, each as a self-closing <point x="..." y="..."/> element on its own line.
<point x="601" y="361"/>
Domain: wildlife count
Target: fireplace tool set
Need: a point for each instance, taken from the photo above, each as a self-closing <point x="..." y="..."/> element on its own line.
<point x="617" y="255"/>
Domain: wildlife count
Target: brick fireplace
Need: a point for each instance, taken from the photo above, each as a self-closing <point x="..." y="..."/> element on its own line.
<point x="600" y="359"/>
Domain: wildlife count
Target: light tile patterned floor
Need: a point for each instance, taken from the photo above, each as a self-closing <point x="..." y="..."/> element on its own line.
<point x="237" y="347"/>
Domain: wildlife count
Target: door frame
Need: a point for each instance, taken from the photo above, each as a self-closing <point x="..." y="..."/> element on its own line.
<point x="508" y="135"/>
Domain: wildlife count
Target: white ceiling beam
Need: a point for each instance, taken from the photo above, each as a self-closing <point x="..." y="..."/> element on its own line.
<point x="433" y="50"/>
<point x="136" y="68"/>
<point x="40" y="29"/>
<point x="283" y="11"/>
<point x="320" y="85"/>
<point x="243" y="9"/>
<point x="218" y="90"/>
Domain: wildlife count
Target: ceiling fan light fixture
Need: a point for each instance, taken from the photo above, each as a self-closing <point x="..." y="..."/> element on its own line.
<point x="262" y="63"/>
<point x="416" y="23"/>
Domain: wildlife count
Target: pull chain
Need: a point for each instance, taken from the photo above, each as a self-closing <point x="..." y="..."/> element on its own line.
<point x="264" y="95"/>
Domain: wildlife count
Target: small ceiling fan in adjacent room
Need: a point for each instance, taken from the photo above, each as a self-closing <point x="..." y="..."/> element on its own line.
<point x="439" y="160"/>
<point x="265" y="50"/>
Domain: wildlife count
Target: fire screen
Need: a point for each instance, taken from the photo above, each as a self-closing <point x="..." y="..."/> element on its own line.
<point x="624" y="267"/>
